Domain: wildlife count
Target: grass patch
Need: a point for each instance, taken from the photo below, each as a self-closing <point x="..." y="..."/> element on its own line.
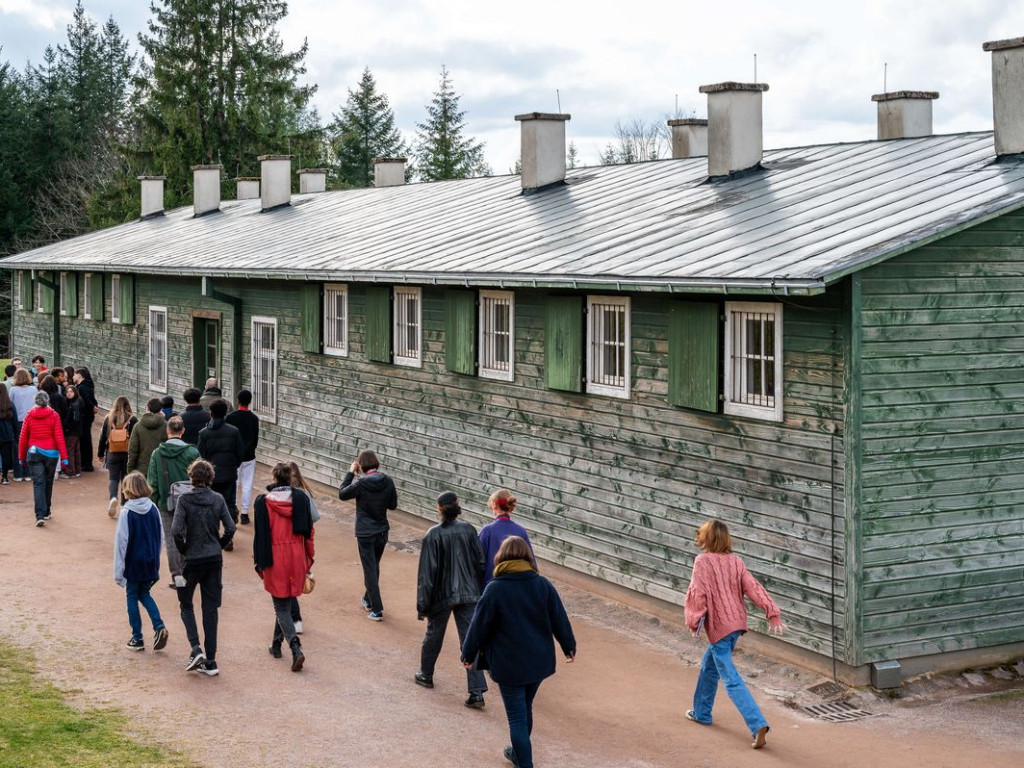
<point x="39" y="730"/>
<point x="1015" y="693"/>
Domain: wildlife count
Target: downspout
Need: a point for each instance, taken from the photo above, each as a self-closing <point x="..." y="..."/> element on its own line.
<point x="236" y="328"/>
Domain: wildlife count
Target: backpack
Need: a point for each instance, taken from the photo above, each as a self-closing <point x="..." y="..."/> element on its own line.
<point x="177" y="489"/>
<point x="117" y="441"/>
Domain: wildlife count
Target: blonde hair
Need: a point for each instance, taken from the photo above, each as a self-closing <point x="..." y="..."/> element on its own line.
<point x="134" y="486"/>
<point x="298" y="481"/>
<point x="121" y="413"/>
<point x="714" y="536"/>
<point x="502" y="500"/>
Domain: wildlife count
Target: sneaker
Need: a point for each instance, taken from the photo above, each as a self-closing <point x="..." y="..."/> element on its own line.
<point x="298" y="627"/>
<point x="366" y="604"/>
<point x="195" y="660"/>
<point x="179" y="581"/>
<point x="79" y="474"/>
<point x="112" y="508"/>
<point x="475" y="701"/>
<point x="692" y="717"/>
<point x="160" y="639"/>
<point x="40" y="523"/>
<point x="47" y="516"/>
<point x="421" y="679"/>
<point x="375" y="615"/>
<point x="209" y="668"/>
<point x="230" y="546"/>
<point x="759" y="737"/>
<point x="135" y="645"/>
<point x="244" y="520"/>
<point x="5" y="481"/>
<point x="275" y="650"/>
<point x="510" y="755"/>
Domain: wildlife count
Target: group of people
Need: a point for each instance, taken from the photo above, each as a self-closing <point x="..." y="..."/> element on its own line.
<point x="176" y="477"/>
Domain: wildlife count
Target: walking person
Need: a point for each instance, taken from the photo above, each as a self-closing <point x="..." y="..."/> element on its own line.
<point x="195" y="416"/>
<point x="221" y="445"/>
<point x="150" y="432"/>
<point x="169" y="464"/>
<point x="23" y="398"/>
<point x="299" y="483"/>
<point x="73" y="430"/>
<point x="40" y="447"/>
<point x="7" y="435"/>
<point x="167" y="407"/>
<point x="211" y="394"/>
<point x="502" y="504"/>
<point x="511" y="634"/>
<point x="196" y="527"/>
<point x="714" y="600"/>
<point x="137" y="544"/>
<point x="115" y="437"/>
<point x="248" y="425"/>
<point x="450" y="571"/>
<point x="90" y="407"/>
<point x="282" y="549"/>
<point x="374" y="493"/>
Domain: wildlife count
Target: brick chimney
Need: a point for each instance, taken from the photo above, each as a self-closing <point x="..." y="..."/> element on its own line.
<point x="689" y="137"/>
<point x="152" y="195"/>
<point x="247" y="187"/>
<point x="275" y="180"/>
<point x="205" y="189"/>
<point x="904" y="114"/>
<point x="542" y="149"/>
<point x="389" y="171"/>
<point x="312" y="180"/>
<point x="1008" y="94"/>
<point x="734" y="126"/>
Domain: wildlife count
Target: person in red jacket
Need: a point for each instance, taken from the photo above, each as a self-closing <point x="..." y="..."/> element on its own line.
<point x="40" y="447"/>
<point x="282" y="549"/>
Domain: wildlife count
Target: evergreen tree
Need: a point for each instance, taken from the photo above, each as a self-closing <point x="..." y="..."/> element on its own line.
<point x="443" y="151"/>
<point x="363" y="130"/>
<point x="15" y="181"/>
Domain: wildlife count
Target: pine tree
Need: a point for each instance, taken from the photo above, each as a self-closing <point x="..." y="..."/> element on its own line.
<point x="363" y="130"/>
<point x="443" y="151"/>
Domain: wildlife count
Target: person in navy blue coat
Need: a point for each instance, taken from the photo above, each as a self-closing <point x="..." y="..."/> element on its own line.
<point x="511" y="635"/>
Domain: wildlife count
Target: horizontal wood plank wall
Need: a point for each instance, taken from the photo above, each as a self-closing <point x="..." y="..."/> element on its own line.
<point x="943" y="445"/>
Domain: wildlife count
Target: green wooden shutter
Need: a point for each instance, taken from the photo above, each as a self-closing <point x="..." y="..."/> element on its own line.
<point x="563" y="343"/>
<point x="46" y="293"/>
<point x="312" y="298"/>
<point x="96" y="300"/>
<point x="693" y="330"/>
<point x="71" y="295"/>
<point x="127" y="299"/>
<point x="378" y="323"/>
<point x="460" y="332"/>
<point x="28" y="299"/>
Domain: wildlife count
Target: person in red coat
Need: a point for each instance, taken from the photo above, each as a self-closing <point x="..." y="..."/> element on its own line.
<point x="282" y="549"/>
<point x="40" y="446"/>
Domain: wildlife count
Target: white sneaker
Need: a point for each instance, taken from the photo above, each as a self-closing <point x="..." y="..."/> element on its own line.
<point x="298" y="627"/>
<point x="179" y="581"/>
<point x="112" y="508"/>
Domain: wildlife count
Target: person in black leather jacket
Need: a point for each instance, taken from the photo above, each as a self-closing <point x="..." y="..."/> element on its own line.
<point x="451" y="571"/>
<point x="375" y="494"/>
<point x="221" y="445"/>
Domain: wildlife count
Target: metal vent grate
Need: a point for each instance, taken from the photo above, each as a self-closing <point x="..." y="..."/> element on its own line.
<point x="828" y="688"/>
<point x="839" y="712"/>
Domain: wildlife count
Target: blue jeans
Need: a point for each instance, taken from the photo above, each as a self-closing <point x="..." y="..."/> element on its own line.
<point x="518" y="700"/>
<point x="138" y="592"/>
<point x="717" y="664"/>
<point x="42" y="469"/>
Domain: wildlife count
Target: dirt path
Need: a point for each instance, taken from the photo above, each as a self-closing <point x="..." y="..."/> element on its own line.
<point x="355" y="703"/>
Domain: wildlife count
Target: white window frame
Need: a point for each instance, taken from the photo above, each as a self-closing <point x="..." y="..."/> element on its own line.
<point x="596" y="377"/>
<point x="158" y="385"/>
<point x="63" y="294"/>
<point x="768" y="407"/>
<point x="20" y="290"/>
<point x="402" y="324"/>
<point x="264" y="393"/>
<point x="87" y="296"/>
<point x="335" y="339"/>
<point x="489" y="340"/>
<point x="115" y="298"/>
<point x="39" y="296"/>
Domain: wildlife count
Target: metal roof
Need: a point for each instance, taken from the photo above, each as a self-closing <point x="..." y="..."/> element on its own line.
<point x="812" y="215"/>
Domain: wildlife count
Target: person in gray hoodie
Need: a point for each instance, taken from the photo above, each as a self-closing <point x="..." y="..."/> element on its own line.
<point x="147" y="435"/>
<point x="169" y="464"/>
<point x="196" y="529"/>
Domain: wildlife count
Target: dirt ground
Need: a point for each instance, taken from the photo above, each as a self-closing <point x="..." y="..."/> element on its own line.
<point x="355" y="704"/>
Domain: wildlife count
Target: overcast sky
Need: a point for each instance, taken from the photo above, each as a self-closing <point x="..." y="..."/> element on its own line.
<point x="822" y="59"/>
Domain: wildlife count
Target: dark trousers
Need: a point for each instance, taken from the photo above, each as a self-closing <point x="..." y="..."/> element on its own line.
<point x="229" y="491"/>
<point x="19" y="471"/>
<point x="285" y="609"/>
<point x="85" y="445"/>
<point x="371" y="549"/>
<point x="117" y="468"/>
<point x="208" y="579"/>
<point x="434" y="639"/>
<point x="7" y="457"/>
<point x="42" y="469"/>
<point x="74" y="466"/>
<point x="518" y="700"/>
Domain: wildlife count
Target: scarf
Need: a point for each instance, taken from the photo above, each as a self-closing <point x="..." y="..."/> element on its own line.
<point x="513" y="566"/>
<point x="302" y="525"/>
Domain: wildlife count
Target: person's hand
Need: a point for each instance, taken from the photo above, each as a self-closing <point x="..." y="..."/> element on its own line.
<point x="467" y="664"/>
<point x="570" y="659"/>
<point x="354" y="469"/>
<point x="777" y="626"/>
<point x="64" y="462"/>
<point x="95" y="409"/>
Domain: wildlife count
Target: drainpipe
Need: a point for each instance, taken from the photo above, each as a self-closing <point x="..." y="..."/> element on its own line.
<point x="236" y="328"/>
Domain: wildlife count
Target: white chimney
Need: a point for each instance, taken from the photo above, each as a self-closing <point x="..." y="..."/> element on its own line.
<point x="1008" y="94"/>
<point x="542" y="149"/>
<point x="689" y="137"/>
<point x="734" y="126"/>
<point x="312" y="180"/>
<point x="275" y="180"/>
<point x="904" y="114"/>
<point x="205" y="189"/>
<point x="152" y="195"/>
<point x="247" y="187"/>
<point x="388" y="171"/>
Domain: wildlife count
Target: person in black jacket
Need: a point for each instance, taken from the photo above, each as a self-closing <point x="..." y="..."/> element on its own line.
<point x="450" y="573"/>
<point x="375" y="494"/>
<point x="86" y="391"/>
<point x="248" y="424"/>
<point x="195" y="417"/>
<point x="511" y="635"/>
<point x="221" y="445"/>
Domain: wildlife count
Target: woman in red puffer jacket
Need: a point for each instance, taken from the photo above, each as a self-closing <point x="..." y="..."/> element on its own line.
<point x="40" y="447"/>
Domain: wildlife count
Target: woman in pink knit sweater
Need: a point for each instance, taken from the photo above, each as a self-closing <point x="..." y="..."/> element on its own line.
<point x="714" y="601"/>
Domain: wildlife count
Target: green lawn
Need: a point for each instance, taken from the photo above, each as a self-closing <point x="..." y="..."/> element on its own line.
<point x="38" y="730"/>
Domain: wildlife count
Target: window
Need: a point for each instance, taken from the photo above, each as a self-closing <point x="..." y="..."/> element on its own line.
<point x="496" y="335"/>
<point x="753" y="360"/>
<point x="336" y="320"/>
<point x="264" y="367"/>
<point x="158" y="349"/>
<point x="87" y="296"/>
<point x="115" y="298"/>
<point x="408" y="327"/>
<point x="39" y="296"/>
<point x="63" y="293"/>
<point x="608" y="353"/>
<point x="22" y="292"/>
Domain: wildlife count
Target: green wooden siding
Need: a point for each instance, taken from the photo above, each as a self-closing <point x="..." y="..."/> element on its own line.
<point x="97" y="298"/>
<point x="942" y="497"/>
<point x="70" y="295"/>
<point x="563" y="338"/>
<point x="25" y="286"/>
<point x="693" y="333"/>
<point x="378" y="323"/>
<point x="312" y="302"/>
<point x="460" y="331"/>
